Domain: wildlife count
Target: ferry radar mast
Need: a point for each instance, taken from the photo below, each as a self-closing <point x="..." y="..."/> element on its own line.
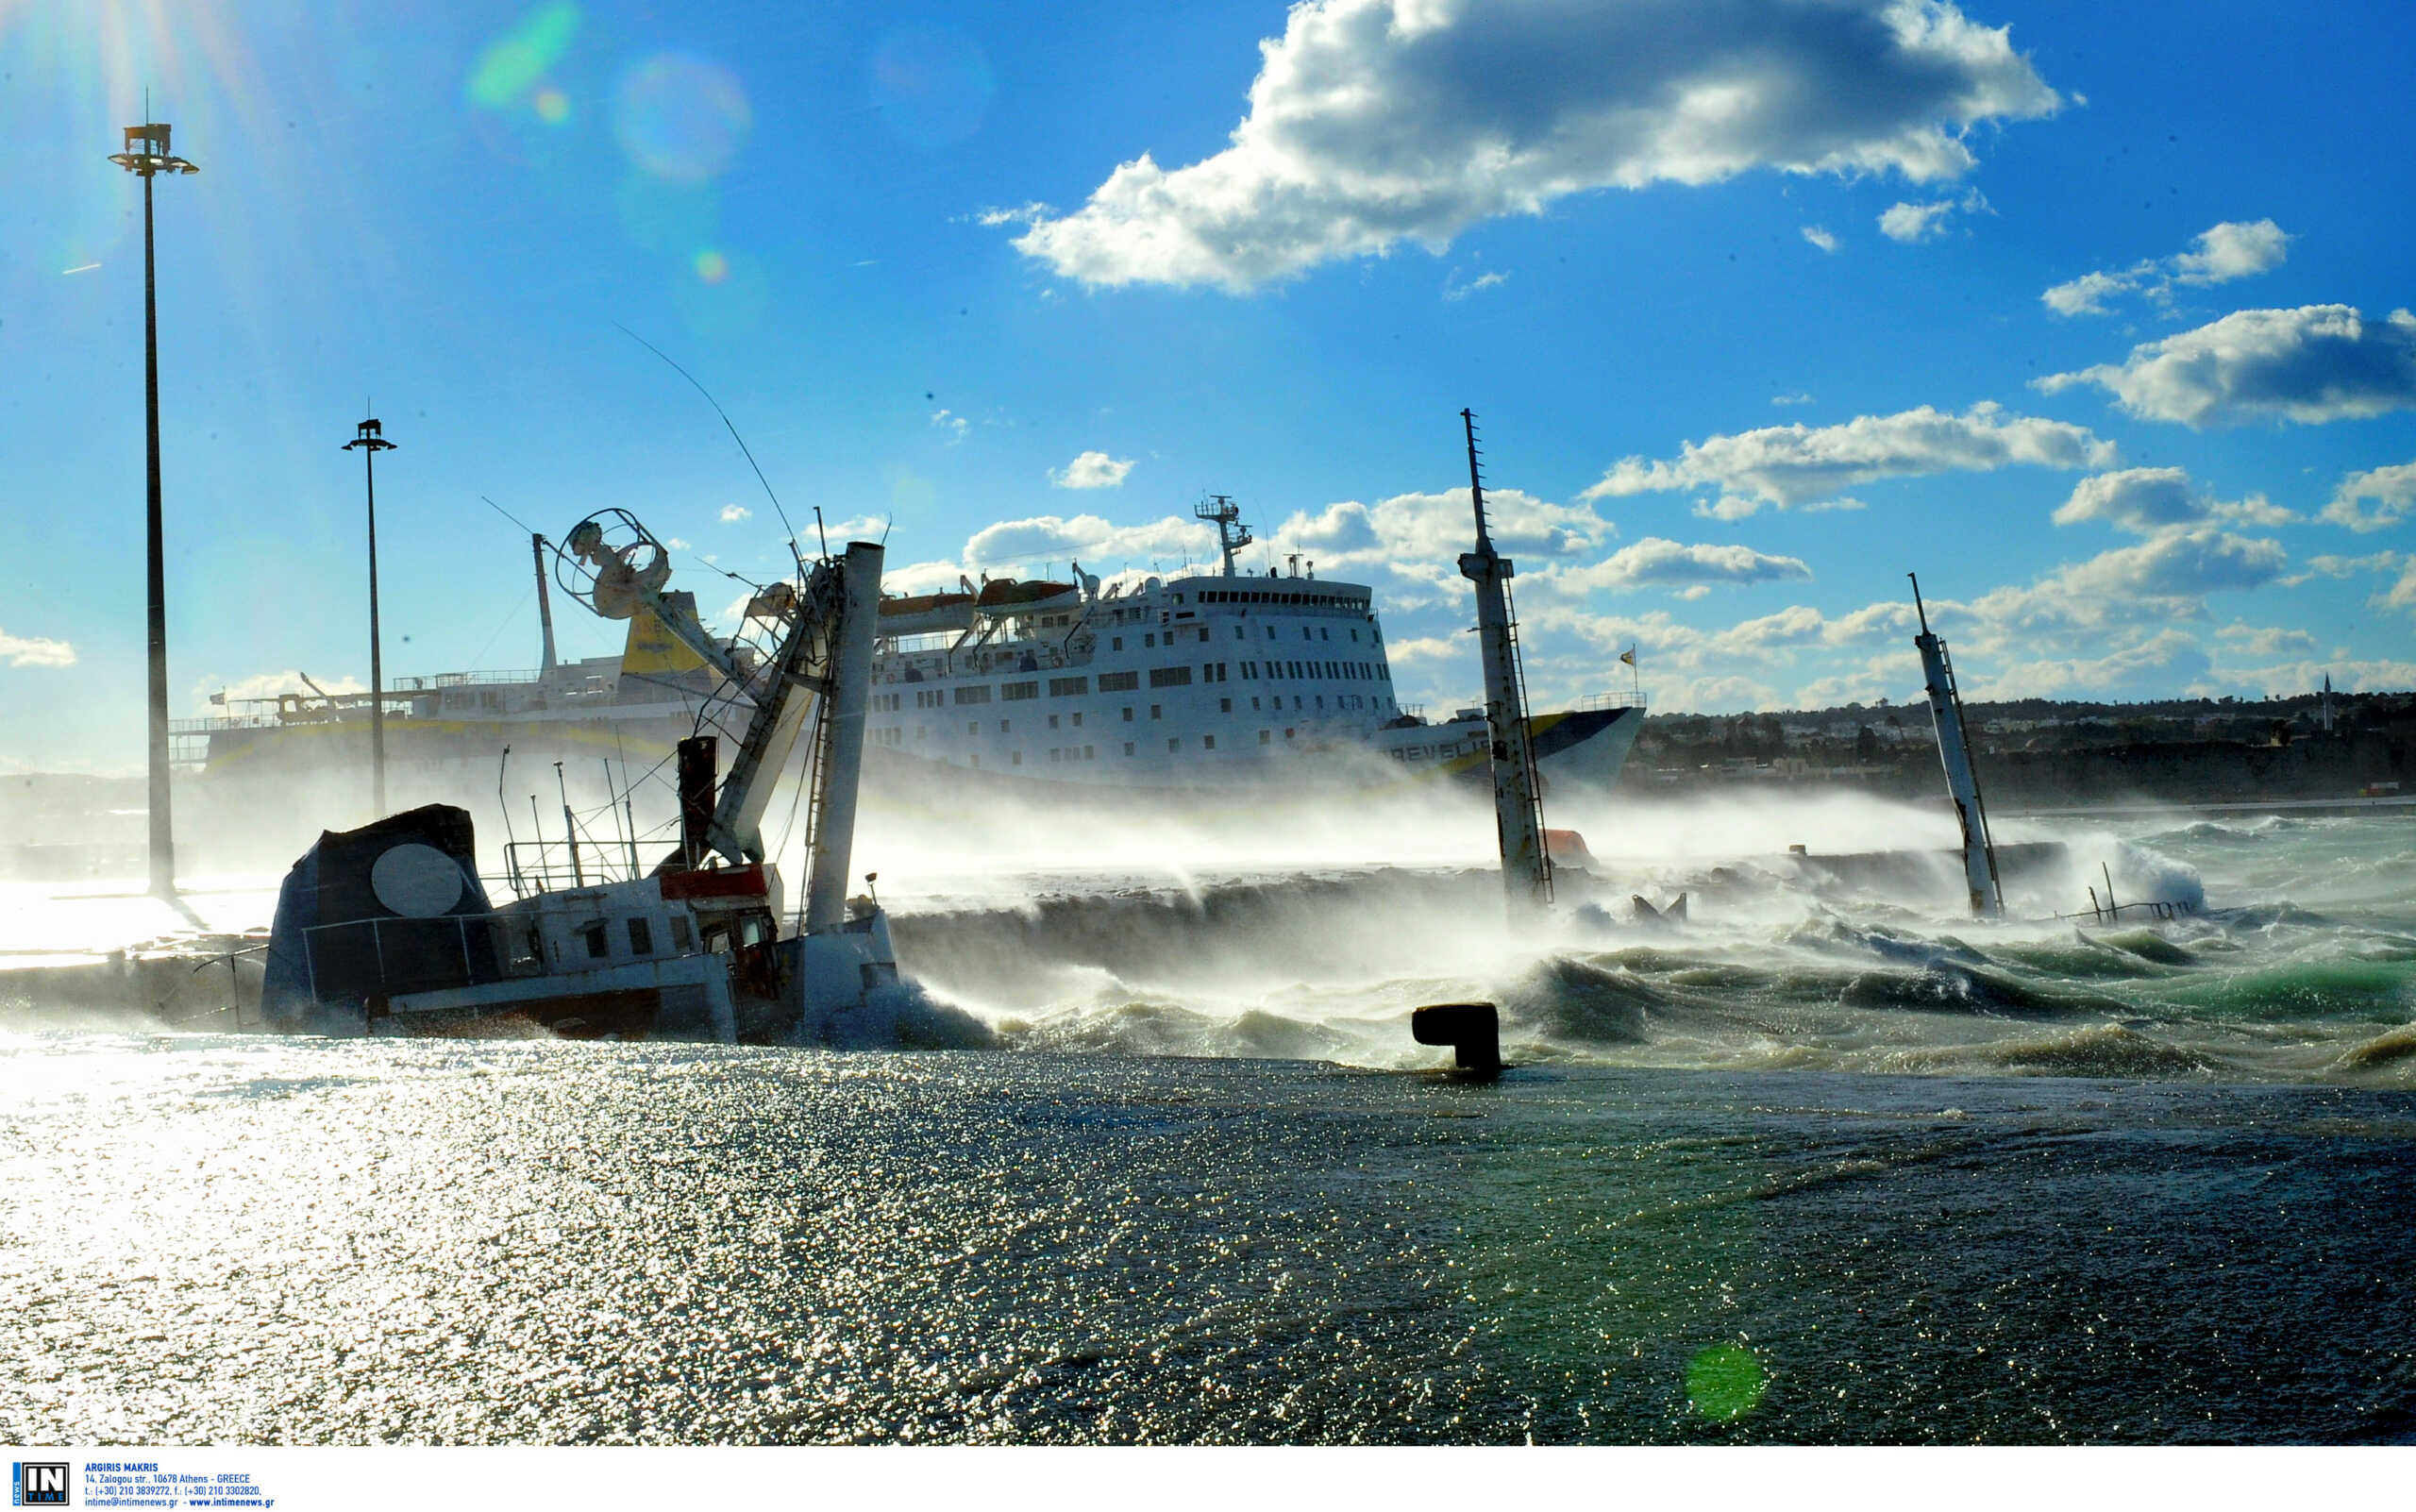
<point x="1518" y="798"/>
<point x="1232" y="534"/>
<point x="1954" y="751"/>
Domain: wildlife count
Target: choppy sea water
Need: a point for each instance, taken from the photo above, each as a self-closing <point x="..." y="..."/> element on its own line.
<point x="1826" y="1164"/>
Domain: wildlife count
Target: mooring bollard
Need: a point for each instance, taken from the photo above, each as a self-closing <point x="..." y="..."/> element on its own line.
<point x="1473" y="1029"/>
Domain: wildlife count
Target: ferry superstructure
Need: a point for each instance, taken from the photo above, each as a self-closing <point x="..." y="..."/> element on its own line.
<point x="1214" y="678"/>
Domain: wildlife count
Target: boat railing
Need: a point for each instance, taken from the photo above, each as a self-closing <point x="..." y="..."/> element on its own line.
<point x="1625" y="699"/>
<point x="549" y="866"/>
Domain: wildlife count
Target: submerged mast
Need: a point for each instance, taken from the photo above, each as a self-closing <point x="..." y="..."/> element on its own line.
<point x="1954" y="751"/>
<point x="1517" y="800"/>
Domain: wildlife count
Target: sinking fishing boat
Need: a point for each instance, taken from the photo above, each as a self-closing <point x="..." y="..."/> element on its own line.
<point x="390" y="928"/>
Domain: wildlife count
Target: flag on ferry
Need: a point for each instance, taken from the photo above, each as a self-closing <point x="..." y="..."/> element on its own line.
<point x="1628" y="656"/>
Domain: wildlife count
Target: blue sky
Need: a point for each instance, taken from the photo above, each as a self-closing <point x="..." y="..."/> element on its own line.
<point x="2088" y="314"/>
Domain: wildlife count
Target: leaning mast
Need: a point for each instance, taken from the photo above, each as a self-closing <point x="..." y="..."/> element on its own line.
<point x="1517" y="797"/>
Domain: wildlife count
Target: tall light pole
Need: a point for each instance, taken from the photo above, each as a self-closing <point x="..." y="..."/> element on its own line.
<point x="369" y="442"/>
<point x="147" y="155"/>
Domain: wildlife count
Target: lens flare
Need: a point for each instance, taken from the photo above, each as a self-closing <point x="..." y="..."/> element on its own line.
<point x="682" y="117"/>
<point x="1725" y="1382"/>
<point x="552" y="105"/>
<point x="931" y="84"/>
<point x="711" y="267"/>
<point x="516" y="64"/>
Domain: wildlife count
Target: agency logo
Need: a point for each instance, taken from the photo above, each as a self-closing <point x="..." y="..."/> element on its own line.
<point x="37" y="1484"/>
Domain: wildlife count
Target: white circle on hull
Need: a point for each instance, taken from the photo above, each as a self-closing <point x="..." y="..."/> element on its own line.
<point x="416" y="881"/>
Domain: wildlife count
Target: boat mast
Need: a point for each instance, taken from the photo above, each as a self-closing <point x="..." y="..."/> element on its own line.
<point x="1232" y="534"/>
<point x="1517" y="800"/>
<point x="1954" y="751"/>
<point x="545" y="603"/>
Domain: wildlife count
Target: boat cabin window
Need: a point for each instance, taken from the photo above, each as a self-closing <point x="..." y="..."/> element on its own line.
<point x="681" y="938"/>
<point x="641" y="937"/>
<point x="593" y="933"/>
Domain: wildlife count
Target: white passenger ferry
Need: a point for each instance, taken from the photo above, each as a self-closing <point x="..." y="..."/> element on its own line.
<point x="1216" y="677"/>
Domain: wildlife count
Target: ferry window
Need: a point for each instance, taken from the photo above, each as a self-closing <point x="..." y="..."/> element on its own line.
<point x="1208" y="743"/>
<point x="1115" y="643"/>
<point x="680" y="939"/>
<point x="1088" y="754"/>
<point x="1118" y="681"/>
<point x="1068" y="687"/>
<point x="1322" y="633"/>
<point x="1003" y="727"/>
<point x="1157" y="711"/>
<point x="1253" y="704"/>
<point x="1015" y="758"/>
<point x="1237" y="632"/>
<point x="973" y="727"/>
<point x="1321" y="700"/>
<point x="1354" y="635"/>
<point x="1169" y="676"/>
<point x="1224" y="706"/>
<point x="1128" y="747"/>
<point x="920" y="732"/>
<point x="1012" y="692"/>
<point x="1128" y="714"/>
<point x="641" y="937"/>
<point x="1288" y="734"/>
<point x="1149" y="639"/>
<point x="1296" y="702"/>
<point x="1078" y="719"/>
<point x="1052" y="721"/>
<point x="1056" y="753"/>
<point x="1265" y="736"/>
<point x="1204" y="634"/>
<point x="1174" y="743"/>
<point x="973" y="695"/>
<point x="593" y="933"/>
<point x="973" y="761"/>
<point x="1270" y="632"/>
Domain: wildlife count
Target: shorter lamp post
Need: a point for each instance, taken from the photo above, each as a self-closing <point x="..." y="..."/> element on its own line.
<point x="369" y="442"/>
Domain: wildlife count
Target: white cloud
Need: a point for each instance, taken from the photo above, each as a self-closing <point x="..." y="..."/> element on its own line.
<point x="2086" y="294"/>
<point x="2403" y="593"/>
<point x="2144" y="501"/>
<point x="1048" y="537"/>
<point x="1788" y="466"/>
<point x="2392" y="489"/>
<point x="1372" y="122"/>
<point x="35" y="650"/>
<point x="1433" y="528"/>
<point x="954" y="425"/>
<point x="2157" y="665"/>
<point x="1024" y="214"/>
<point x="2267" y="640"/>
<point x="1820" y="236"/>
<point x="1907" y="222"/>
<point x="2312" y="364"/>
<point x="1485" y="280"/>
<point x="1793" y="396"/>
<point x="1092" y="469"/>
<point x="732" y="513"/>
<point x="1667" y="564"/>
<point x="2231" y="249"/>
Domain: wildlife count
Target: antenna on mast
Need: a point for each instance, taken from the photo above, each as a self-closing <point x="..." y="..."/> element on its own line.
<point x="1232" y="534"/>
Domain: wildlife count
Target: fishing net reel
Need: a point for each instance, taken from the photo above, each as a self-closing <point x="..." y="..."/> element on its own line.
<point x="611" y="563"/>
